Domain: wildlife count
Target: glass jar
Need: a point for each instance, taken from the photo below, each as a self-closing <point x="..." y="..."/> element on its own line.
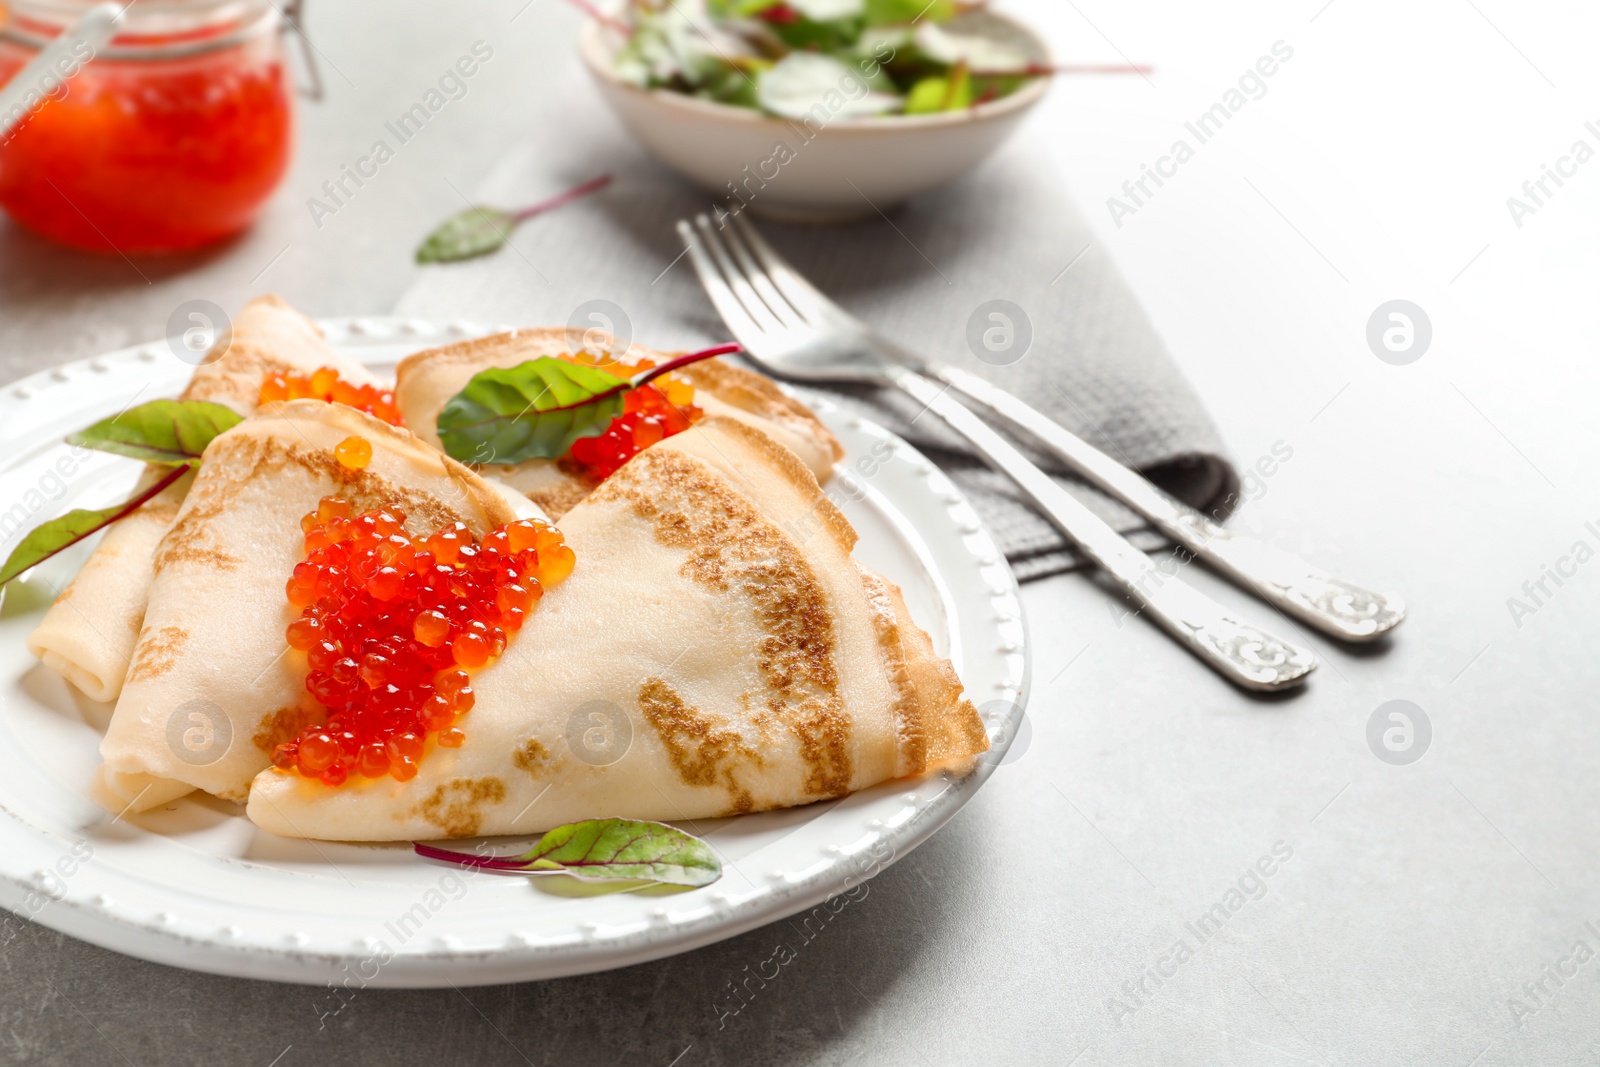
<point x="172" y="136"/>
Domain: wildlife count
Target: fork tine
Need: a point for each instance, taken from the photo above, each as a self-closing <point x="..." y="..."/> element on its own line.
<point x="781" y="307"/>
<point x="747" y="296"/>
<point x="745" y="329"/>
<point x="806" y="298"/>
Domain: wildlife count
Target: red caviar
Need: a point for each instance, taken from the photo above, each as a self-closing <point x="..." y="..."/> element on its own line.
<point x="650" y="413"/>
<point x="391" y="623"/>
<point x="324" y="383"/>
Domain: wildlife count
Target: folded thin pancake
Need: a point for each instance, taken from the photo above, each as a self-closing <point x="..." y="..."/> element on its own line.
<point x="212" y="689"/>
<point x="88" y="635"/>
<point x="715" y="633"/>
<point x="426" y="381"/>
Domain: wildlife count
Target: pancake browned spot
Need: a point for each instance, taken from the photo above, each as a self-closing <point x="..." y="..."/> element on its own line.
<point x="911" y="727"/>
<point x="278" y="727"/>
<point x="702" y="752"/>
<point x="457" y="806"/>
<point x="564" y="494"/>
<point x="533" y="757"/>
<point x="732" y="547"/>
<point x="250" y="457"/>
<point x="237" y="460"/>
<point x="188" y="539"/>
<point x="157" y="653"/>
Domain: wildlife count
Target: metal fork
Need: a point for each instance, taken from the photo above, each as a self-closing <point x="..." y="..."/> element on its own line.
<point x="791" y="330"/>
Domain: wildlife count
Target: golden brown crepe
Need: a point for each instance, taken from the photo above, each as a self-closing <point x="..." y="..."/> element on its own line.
<point x="88" y="635"/>
<point x="715" y="651"/>
<point x="213" y="687"/>
<point x="426" y="381"/>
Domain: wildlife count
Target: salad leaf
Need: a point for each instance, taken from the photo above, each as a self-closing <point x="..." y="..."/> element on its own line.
<point x="531" y="411"/>
<point x="735" y="86"/>
<point x="537" y="409"/>
<point x="625" y="848"/>
<point x="67" y="530"/>
<point x="829" y="10"/>
<point x="941" y="94"/>
<point x="606" y="850"/>
<point x="927" y="96"/>
<point x="885" y="12"/>
<point x="728" y="9"/>
<point x="477" y="231"/>
<point x="802" y="82"/>
<point x="785" y="57"/>
<point x="987" y="46"/>
<point x="670" y="50"/>
<point x="820" y="26"/>
<point x="168" y="432"/>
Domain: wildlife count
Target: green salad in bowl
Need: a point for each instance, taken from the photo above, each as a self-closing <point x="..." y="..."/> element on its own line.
<point x="905" y="57"/>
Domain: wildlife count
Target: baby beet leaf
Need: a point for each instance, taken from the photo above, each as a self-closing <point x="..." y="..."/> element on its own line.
<point x="478" y="231"/>
<point x="537" y="409"/>
<point x="606" y="849"/>
<point x="61" y="533"/>
<point x="625" y="848"/>
<point x="531" y="411"/>
<point x="168" y="432"/>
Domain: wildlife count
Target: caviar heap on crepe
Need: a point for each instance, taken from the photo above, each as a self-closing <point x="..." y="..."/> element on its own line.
<point x="650" y="413"/>
<point x="324" y="383"/>
<point x="391" y="625"/>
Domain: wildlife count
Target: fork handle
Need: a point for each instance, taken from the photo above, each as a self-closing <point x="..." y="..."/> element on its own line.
<point x="1338" y="608"/>
<point x="1242" y="653"/>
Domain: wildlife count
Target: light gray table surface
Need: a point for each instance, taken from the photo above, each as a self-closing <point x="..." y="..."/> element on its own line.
<point x="1435" y="913"/>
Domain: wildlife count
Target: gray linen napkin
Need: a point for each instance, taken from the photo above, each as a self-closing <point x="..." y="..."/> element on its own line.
<point x="920" y="275"/>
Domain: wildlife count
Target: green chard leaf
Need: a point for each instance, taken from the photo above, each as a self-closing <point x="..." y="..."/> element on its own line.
<point x="477" y="231"/>
<point x="606" y="850"/>
<point x="537" y="409"/>
<point x="820" y="35"/>
<point x="67" y="530"/>
<point x="927" y="96"/>
<point x="886" y="12"/>
<point x="168" y="432"/>
<point x="725" y="9"/>
<point x="930" y="95"/>
<point x="627" y="848"/>
<point x="531" y="411"/>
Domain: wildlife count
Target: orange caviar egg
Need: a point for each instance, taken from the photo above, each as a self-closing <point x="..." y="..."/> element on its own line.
<point x="353" y="452"/>
<point x="554" y="564"/>
<point x="470" y="650"/>
<point x="431" y="628"/>
<point x="390" y="624"/>
<point x="325" y="384"/>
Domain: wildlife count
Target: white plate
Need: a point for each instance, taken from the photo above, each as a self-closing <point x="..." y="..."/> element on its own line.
<point x="197" y="885"/>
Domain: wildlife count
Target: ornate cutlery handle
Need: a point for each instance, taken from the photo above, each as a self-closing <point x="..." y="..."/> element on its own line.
<point x="1242" y="653"/>
<point x="1334" y="606"/>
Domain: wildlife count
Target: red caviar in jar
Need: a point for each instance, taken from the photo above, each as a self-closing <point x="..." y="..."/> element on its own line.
<point x="650" y="413"/>
<point x="169" y="138"/>
<point x="384" y="623"/>
<point x="325" y="384"/>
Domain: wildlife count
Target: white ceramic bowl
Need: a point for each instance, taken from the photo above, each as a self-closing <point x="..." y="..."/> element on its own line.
<point x="846" y="169"/>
